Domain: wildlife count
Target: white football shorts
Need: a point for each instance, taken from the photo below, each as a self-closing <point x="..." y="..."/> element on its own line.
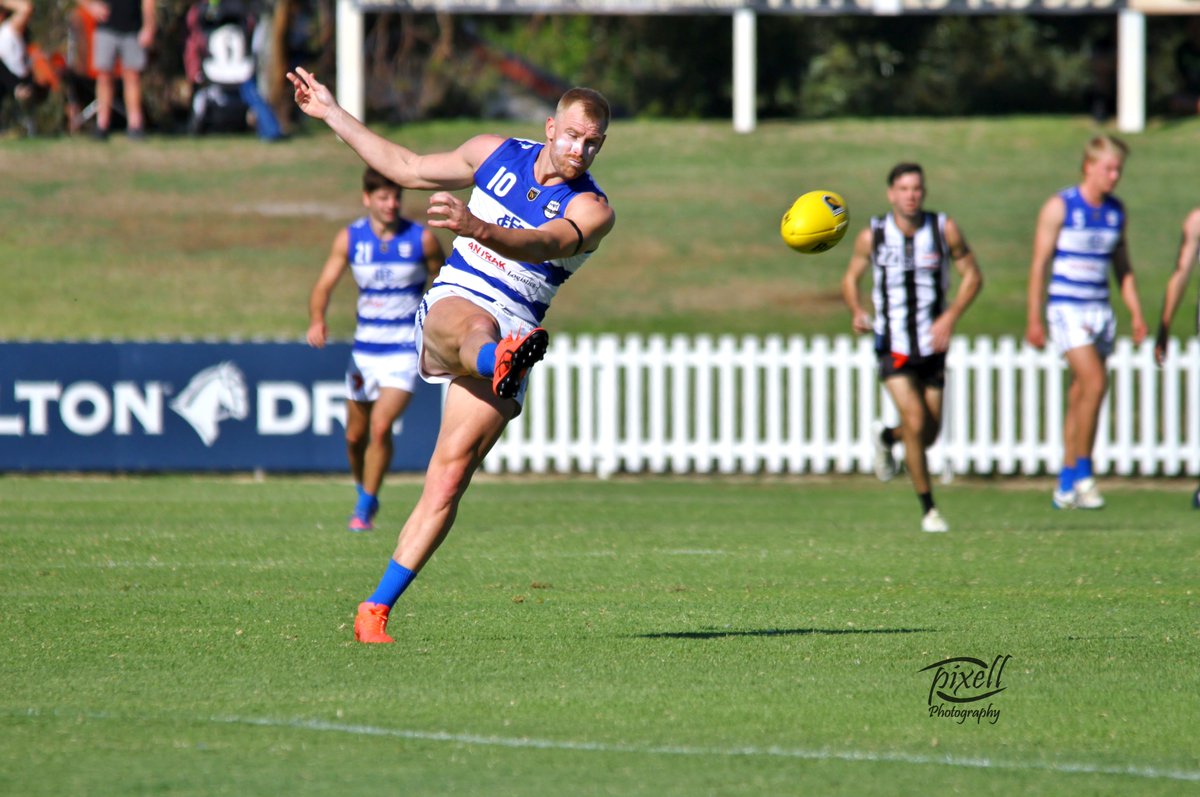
<point x="509" y="323"/>
<point x="368" y="373"/>
<point x="1072" y="325"/>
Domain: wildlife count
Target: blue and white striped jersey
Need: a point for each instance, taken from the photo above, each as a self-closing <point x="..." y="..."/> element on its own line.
<point x="507" y="194"/>
<point x="1083" y="254"/>
<point x="391" y="278"/>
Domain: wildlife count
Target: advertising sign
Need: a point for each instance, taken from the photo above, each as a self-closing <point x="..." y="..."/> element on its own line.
<point x="189" y="407"/>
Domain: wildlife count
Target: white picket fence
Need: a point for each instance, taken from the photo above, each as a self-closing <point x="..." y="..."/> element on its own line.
<point x="607" y="404"/>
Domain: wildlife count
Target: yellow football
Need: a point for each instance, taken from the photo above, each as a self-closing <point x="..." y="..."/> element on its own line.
<point x="815" y="222"/>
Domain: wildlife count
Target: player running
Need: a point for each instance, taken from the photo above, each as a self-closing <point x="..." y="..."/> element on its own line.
<point x="910" y="251"/>
<point x="392" y="260"/>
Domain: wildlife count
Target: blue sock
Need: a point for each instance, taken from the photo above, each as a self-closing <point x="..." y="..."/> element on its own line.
<point x="1066" y="478"/>
<point x="485" y="363"/>
<point x="395" y="580"/>
<point x="1083" y="468"/>
<point x="366" y="504"/>
<point x="358" y="488"/>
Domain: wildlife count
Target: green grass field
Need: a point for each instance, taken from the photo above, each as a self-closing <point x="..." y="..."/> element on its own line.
<point x="191" y="636"/>
<point x="224" y="237"/>
<point x="748" y="636"/>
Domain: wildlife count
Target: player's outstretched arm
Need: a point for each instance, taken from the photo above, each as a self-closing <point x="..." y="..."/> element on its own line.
<point x="860" y="260"/>
<point x="446" y="170"/>
<point x="1045" y="239"/>
<point x="583" y="225"/>
<point x="1189" y="250"/>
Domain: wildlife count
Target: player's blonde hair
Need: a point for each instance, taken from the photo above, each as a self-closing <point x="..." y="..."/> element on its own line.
<point x="593" y="103"/>
<point x="1104" y="144"/>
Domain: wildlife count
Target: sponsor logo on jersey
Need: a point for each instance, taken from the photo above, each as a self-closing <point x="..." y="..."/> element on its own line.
<point x="486" y="254"/>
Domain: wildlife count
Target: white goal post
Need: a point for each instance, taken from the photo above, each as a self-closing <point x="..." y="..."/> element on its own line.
<point x="1130" y="24"/>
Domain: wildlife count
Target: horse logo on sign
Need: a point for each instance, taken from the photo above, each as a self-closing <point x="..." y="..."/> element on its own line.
<point x="215" y="394"/>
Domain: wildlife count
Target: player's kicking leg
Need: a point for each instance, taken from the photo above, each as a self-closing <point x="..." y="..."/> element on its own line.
<point x="473" y="419"/>
<point x="515" y="355"/>
<point x="459" y="337"/>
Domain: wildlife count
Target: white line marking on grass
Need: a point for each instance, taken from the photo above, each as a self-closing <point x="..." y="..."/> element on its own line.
<point x="155" y="564"/>
<point x="524" y="742"/>
<point x="692" y="552"/>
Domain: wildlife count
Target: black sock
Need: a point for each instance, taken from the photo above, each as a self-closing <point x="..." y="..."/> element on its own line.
<point x="888" y="436"/>
<point x="926" y="500"/>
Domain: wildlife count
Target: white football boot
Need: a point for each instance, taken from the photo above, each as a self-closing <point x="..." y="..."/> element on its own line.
<point x="933" y="522"/>
<point x="885" y="461"/>
<point x="1063" y="499"/>
<point x="1087" y="495"/>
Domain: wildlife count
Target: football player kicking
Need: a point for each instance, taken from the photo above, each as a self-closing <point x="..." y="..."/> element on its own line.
<point x="535" y="217"/>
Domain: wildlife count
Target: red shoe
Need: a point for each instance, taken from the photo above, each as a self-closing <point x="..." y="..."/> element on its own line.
<point x="514" y="357"/>
<point x="371" y="622"/>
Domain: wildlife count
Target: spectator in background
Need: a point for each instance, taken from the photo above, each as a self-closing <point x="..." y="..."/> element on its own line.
<point x="1189" y="252"/>
<point x="16" y="79"/>
<point x="220" y="65"/>
<point x="1080" y="238"/>
<point x="124" y="30"/>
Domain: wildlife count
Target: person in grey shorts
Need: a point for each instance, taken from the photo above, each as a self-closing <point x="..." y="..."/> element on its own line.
<point x="124" y="31"/>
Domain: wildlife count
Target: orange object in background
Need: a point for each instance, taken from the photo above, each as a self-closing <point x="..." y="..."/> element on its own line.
<point x="45" y="68"/>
